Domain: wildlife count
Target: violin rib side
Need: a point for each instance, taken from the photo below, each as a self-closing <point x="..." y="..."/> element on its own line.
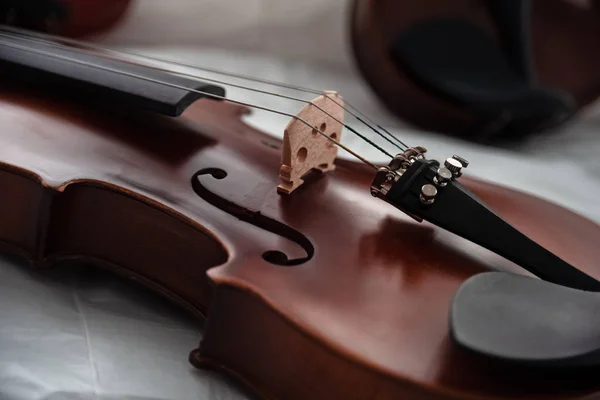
<point x="105" y="226"/>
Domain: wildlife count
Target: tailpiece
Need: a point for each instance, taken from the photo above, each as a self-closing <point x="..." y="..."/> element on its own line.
<point x="427" y="190"/>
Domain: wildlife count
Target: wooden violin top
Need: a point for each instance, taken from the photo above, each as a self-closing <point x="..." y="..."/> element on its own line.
<point x="357" y="308"/>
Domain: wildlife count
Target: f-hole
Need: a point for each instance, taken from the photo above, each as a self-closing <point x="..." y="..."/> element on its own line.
<point x="255" y="218"/>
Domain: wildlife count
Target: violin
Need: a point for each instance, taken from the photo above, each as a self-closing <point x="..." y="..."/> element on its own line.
<point x="318" y="277"/>
<point x="484" y="71"/>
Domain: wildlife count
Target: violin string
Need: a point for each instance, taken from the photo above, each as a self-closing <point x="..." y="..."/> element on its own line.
<point x="354" y="111"/>
<point x="403" y="146"/>
<point x="243" y="87"/>
<point x="363" y="137"/>
<point x="207" y="94"/>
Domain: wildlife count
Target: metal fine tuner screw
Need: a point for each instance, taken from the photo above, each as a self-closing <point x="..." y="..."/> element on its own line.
<point x="442" y="177"/>
<point x="428" y="193"/>
<point x="464" y="162"/>
<point x="456" y="164"/>
<point x="453" y="165"/>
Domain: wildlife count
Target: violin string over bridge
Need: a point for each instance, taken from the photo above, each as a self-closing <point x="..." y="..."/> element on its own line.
<point x="306" y="149"/>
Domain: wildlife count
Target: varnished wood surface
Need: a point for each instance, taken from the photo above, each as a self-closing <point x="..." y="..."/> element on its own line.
<point x="366" y="316"/>
<point x="563" y="38"/>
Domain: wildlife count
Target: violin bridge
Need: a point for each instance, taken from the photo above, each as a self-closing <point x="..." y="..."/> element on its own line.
<point x="304" y="148"/>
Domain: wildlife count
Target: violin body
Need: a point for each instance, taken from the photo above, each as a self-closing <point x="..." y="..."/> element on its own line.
<point x="326" y="293"/>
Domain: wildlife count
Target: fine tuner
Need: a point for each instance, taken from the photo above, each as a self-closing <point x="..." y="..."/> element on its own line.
<point x="387" y="176"/>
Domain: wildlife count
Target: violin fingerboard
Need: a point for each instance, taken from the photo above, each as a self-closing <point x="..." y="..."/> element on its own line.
<point x="107" y="80"/>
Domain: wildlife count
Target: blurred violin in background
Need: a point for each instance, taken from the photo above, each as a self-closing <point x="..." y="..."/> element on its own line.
<point x="71" y="18"/>
<point x="485" y="71"/>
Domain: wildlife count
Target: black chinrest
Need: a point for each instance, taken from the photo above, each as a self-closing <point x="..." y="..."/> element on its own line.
<point x="528" y="321"/>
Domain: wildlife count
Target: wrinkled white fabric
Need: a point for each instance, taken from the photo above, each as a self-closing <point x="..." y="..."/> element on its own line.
<point x="79" y="335"/>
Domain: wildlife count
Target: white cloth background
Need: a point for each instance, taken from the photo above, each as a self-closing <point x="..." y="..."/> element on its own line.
<point x="76" y="334"/>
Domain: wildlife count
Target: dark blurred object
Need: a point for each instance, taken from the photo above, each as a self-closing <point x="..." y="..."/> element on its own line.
<point x="41" y="15"/>
<point x="481" y="70"/>
<point x="64" y="17"/>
